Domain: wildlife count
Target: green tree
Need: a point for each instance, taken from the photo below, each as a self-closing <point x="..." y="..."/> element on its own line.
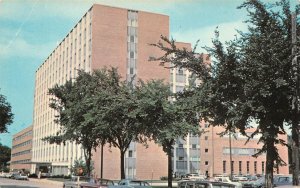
<point x="250" y="80"/>
<point x="166" y="117"/>
<point x="5" y="153"/>
<point x="6" y="116"/>
<point x="76" y="112"/>
<point x="119" y="115"/>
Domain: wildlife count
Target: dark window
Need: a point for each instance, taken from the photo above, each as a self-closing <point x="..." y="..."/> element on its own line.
<point x="131" y="54"/>
<point x="206" y="150"/>
<point x="262" y="167"/>
<point x="131" y="38"/>
<point x="232" y="166"/>
<point x="240" y="167"/>
<point x="194" y="146"/>
<point x="180" y="145"/>
<point x="255" y="167"/>
<point x="224" y="167"/>
<point x="248" y="166"/>
<point x="130" y="153"/>
<point x="206" y="162"/>
<point x="180" y="158"/>
<point x="206" y="138"/>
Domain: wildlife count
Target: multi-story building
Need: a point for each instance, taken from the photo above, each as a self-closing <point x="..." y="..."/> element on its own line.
<point x="21" y="151"/>
<point x="104" y="36"/>
<point x="215" y="153"/>
<point x="109" y="36"/>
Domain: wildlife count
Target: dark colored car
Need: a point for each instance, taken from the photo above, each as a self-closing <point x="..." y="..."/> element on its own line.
<point x="97" y="183"/>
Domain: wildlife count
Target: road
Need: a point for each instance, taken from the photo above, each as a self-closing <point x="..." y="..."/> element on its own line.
<point x="32" y="183"/>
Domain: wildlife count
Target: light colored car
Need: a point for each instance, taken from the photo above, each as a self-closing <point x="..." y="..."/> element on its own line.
<point x="97" y="183"/>
<point x="127" y="183"/>
<point x="227" y="180"/>
<point x="75" y="181"/>
<point x="21" y="177"/>
<point x="203" y="184"/>
<point x="239" y="178"/>
<point x="195" y="176"/>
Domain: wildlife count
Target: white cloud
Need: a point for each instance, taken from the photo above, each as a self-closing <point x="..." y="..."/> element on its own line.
<point x="22" y="48"/>
<point x="205" y="34"/>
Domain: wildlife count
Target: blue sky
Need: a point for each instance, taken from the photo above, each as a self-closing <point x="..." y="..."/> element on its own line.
<point x="31" y="29"/>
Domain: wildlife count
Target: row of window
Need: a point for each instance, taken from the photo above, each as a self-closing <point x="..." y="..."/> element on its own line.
<point x="240" y="151"/>
<point x="23" y="135"/>
<point x="21" y="153"/>
<point x="22" y="144"/>
<point x="193" y="146"/>
<point x="21" y="161"/>
<point x="247" y="167"/>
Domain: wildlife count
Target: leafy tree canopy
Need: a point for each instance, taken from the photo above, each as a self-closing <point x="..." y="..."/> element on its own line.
<point x="6" y="115"/>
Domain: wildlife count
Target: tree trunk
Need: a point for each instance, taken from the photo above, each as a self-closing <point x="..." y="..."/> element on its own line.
<point x="269" y="169"/>
<point x="295" y="154"/>
<point x="88" y="163"/>
<point x="170" y="175"/>
<point x="101" y="174"/>
<point x="122" y="164"/>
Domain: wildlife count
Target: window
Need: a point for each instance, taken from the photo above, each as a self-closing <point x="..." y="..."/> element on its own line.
<point x="130" y="153"/>
<point x="240" y="167"/>
<point x="206" y="150"/>
<point x="180" y="71"/>
<point x="206" y="162"/>
<point x="180" y="145"/>
<point x="131" y="38"/>
<point x="232" y="166"/>
<point x="206" y="138"/>
<point x="263" y="167"/>
<point x="131" y="54"/>
<point x="255" y="167"/>
<point x="224" y="167"/>
<point x="180" y="158"/>
<point x="248" y="166"/>
<point x="194" y="146"/>
<point x="206" y="125"/>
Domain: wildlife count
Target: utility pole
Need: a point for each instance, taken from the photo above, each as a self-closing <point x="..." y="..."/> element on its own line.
<point x="295" y="105"/>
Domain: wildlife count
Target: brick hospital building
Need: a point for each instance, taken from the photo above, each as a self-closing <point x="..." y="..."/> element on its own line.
<point x="109" y="36"/>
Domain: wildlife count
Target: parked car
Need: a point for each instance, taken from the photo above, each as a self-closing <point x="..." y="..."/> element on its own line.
<point x="239" y="178"/>
<point x="279" y="180"/>
<point x="21" y="177"/>
<point x="75" y="181"/>
<point x="203" y="184"/>
<point x="259" y="183"/>
<point x="283" y="180"/>
<point x="227" y="180"/>
<point x="195" y="176"/>
<point x="13" y="175"/>
<point x="97" y="183"/>
<point x="8" y="175"/>
<point x="127" y="183"/>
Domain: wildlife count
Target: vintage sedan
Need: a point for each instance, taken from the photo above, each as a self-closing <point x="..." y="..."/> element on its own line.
<point x="75" y="181"/>
<point x="97" y="183"/>
<point x="21" y="177"/>
<point x="127" y="183"/>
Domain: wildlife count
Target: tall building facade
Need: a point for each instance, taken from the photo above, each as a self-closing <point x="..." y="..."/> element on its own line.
<point x="21" y="151"/>
<point x="104" y="36"/>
